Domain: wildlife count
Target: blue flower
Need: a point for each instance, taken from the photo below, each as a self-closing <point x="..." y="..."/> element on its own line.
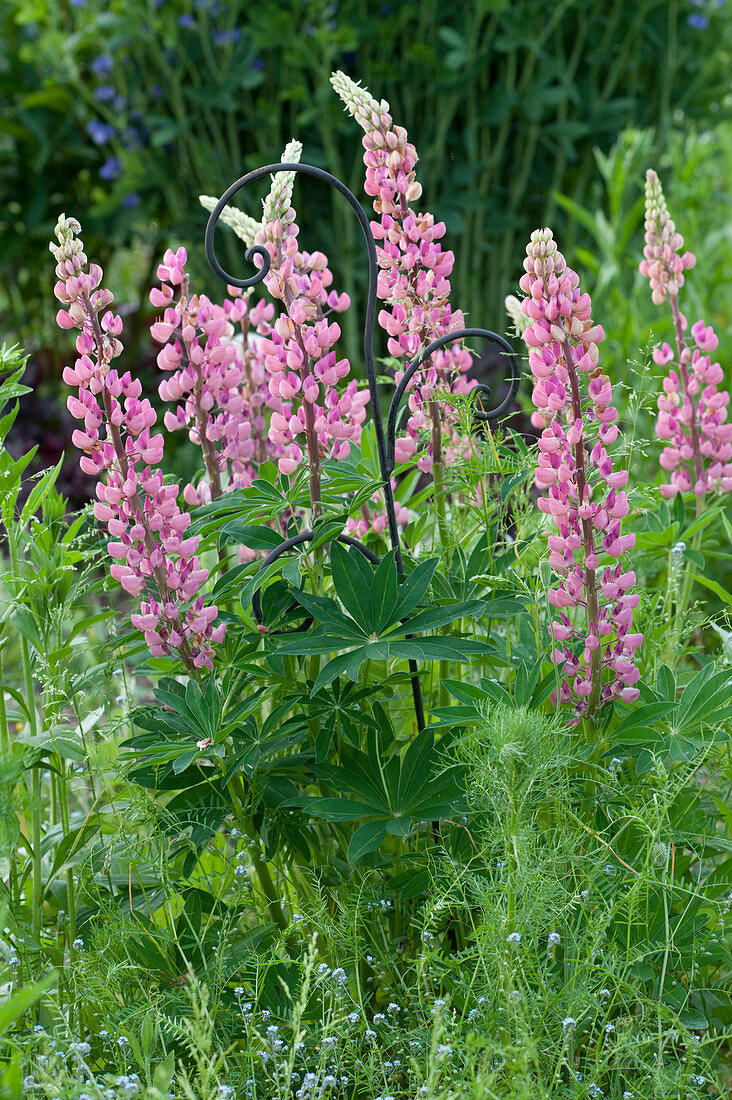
<point x="698" y="21"/>
<point x="257" y="63"/>
<point x="186" y="21"/>
<point x="110" y="169"/>
<point x="131" y="201"/>
<point x="102" y="65"/>
<point x="104" y="93"/>
<point x="223" y="38"/>
<point x="100" y="132"/>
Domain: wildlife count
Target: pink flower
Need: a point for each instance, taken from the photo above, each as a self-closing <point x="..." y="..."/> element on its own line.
<point x="151" y="555"/>
<point x="692" y="411"/>
<point x="584" y="495"/>
<point x="414" y="280"/>
<point x="318" y="416"/>
<point x="218" y="379"/>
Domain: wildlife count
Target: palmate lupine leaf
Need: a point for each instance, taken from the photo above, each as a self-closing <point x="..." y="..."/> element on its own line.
<point x="392" y="793"/>
<point x="373" y="621"/>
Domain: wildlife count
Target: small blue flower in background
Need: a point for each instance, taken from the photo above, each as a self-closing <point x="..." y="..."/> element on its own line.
<point x="698" y="21"/>
<point x="110" y="169"/>
<point x="257" y="63"/>
<point x="186" y="21"/>
<point x="223" y="38"/>
<point x="99" y="132"/>
<point x="78" y="3"/>
<point x="131" y="201"/>
<point x="104" y="93"/>
<point x="102" y="65"/>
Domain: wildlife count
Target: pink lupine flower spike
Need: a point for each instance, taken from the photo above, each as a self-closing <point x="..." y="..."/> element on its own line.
<point x="578" y="421"/>
<point x="151" y="554"/>
<point x="692" y="411"/>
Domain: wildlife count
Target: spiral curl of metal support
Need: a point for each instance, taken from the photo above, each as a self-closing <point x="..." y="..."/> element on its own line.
<point x="480" y="414"/>
<point x="385" y="445"/>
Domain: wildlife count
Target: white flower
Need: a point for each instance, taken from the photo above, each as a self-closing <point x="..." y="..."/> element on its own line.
<point x="568" y="1024"/>
<point x="513" y="937"/>
<point x="553" y="939"/>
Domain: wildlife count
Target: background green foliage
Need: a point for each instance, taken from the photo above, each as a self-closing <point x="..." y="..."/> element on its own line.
<point x="504" y="101"/>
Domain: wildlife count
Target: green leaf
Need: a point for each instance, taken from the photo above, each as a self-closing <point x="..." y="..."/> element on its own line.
<point x="19" y="1002"/>
<point x="40" y="491"/>
<point x="384" y="593"/>
<point x="331" y="809"/>
<point x="399" y="826"/>
<point x="713" y="586"/>
<point x="349" y="663"/>
<point x="414" y="587"/>
<point x="25" y="623"/>
<point x="641" y="716"/>
<point x="185" y="760"/>
<point x="439" y="649"/>
<point x="353" y="579"/>
<point x="322" y="639"/>
<point x="442" y="616"/>
<point x="367" y="838"/>
<point x="328" y="612"/>
<point x="253" y="537"/>
<point x="198" y="708"/>
<point x="666" y="683"/>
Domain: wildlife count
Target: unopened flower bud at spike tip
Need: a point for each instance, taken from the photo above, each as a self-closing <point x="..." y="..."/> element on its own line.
<point x="243" y="225"/>
<point x="279" y="199"/>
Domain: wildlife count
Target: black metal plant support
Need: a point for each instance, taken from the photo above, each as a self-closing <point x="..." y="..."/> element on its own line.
<point x="385" y="442"/>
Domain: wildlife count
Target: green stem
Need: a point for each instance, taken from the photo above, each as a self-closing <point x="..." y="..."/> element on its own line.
<point x="36" y="789"/>
<point x="259" y="863"/>
<point x="63" y="803"/>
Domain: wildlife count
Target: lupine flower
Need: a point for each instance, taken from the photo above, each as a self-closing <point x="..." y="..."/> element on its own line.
<point x="219" y="381"/>
<point x="304" y="371"/>
<point x="692" y="414"/>
<point x="574" y="466"/>
<point x="414" y="279"/>
<point x="150" y="551"/>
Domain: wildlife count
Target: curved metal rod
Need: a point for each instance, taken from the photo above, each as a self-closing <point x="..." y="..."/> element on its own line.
<point x="480" y="414"/>
<point x="369" y="324"/>
<point x="368" y="336"/>
<point x="368" y="344"/>
<point x="303" y="536"/>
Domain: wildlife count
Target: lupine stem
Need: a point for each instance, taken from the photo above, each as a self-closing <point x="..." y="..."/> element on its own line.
<point x="588" y="540"/>
<point x="683" y="353"/>
<point x="36" y="778"/>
